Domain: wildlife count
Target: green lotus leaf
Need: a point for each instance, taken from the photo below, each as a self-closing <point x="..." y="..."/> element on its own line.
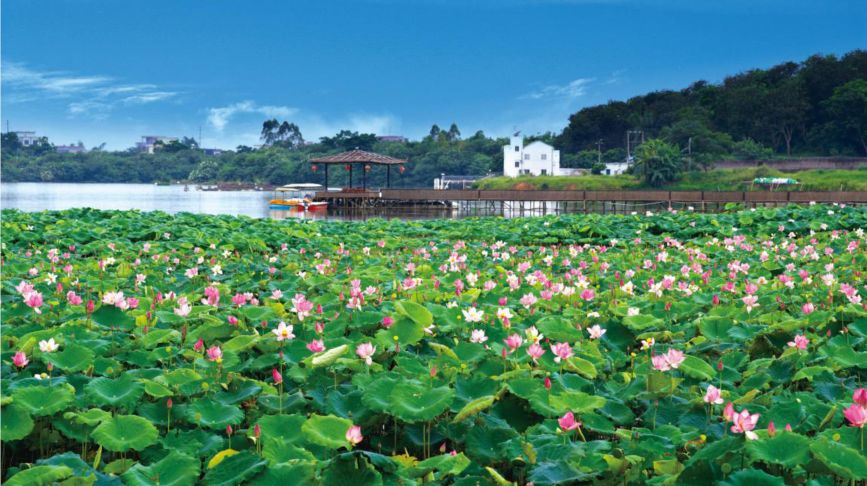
<point x="72" y="359"/>
<point x="123" y="392"/>
<point x="235" y="469"/>
<point x="214" y="414"/>
<point x="327" y="430"/>
<point x="15" y="423"/>
<point x="404" y="332"/>
<point x="110" y="316"/>
<point x="752" y="477"/>
<point x="175" y="469"/>
<point x="412" y="402"/>
<point x="844" y="461"/>
<point x="241" y="343"/>
<point x="328" y="356"/>
<point x="159" y="336"/>
<point x="156" y="389"/>
<point x="697" y="368"/>
<point x="581" y="366"/>
<point x="284" y="427"/>
<point x="91" y="417"/>
<point x="474" y="407"/>
<point x="282" y="474"/>
<point x="124" y="432"/>
<point x="416" y="312"/>
<point x="347" y="470"/>
<point x="42" y="400"/>
<point x="39" y="476"/>
<point x="575" y="402"/>
<point x="788" y="449"/>
<point x="279" y="451"/>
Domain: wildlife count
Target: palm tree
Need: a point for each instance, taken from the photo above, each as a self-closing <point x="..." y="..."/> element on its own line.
<point x="658" y="161"/>
<point x="269" y="131"/>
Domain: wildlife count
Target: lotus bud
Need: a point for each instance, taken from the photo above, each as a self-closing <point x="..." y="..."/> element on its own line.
<point x="319" y="308"/>
<point x="547" y="382"/>
<point x="89" y="307"/>
<point x="59" y="288"/>
<point x="169" y="404"/>
<point x="788" y="427"/>
<point x="719" y="365"/>
<point x="715" y="299"/>
<point x="503" y="301"/>
<point x="319" y="327"/>
<point x="772" y="431"/>
<point x="278" y="378"/>
<point x="229" y="430"/>
<point x="433" y="372"/>
<point x="257" y="431"/>
<point x="145" y="330"/>
<point x="50" y="366"/>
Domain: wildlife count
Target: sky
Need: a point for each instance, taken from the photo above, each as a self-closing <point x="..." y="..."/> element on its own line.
<point x="101" y="71"/>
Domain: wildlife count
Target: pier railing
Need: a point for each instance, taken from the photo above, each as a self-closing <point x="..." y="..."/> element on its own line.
<point x="696" y="197"/>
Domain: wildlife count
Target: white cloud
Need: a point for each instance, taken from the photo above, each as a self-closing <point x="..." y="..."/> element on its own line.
<point x="93" y="96"/>
<point x="573" y="89"/>
<point x="219" y="117"/>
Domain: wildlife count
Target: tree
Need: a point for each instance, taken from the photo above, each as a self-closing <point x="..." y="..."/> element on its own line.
<point x="349" y="140"/>
<point x="269" y="131"/>
<point x="290" y="135"/>
<point x="848" y="108"/>
<point x="749" y="149"/>
<point x="190" y="142"/>
<point x="435" y="132"/>
<point x="787" y="110"/>
<point x="658" y="162"/>
<point x="454" y="134"/>
<point x="243" y="149"/>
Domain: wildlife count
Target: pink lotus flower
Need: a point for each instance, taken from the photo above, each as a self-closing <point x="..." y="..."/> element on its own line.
<point x="200" y="345"/>
<point x="535" y="351"/>
<point x="588" y="294"/>
<point x="514" y="342"/>
<point x="34" y="301"/>
<point x="856" y="415"/>
<point x="73" y="298"/>
<point x="808" y="308"/>
<point x="212" y="296"/>
<point x="387" y="321"/>
<point x="750" y="301"/>
<point x="744" y="423"/>
<point x="800" y="342"/>
<point x="561" y="351"/>
<point x="713" y="395"/>
<point x="659" y="362"/>
<point x="478" y="336"/>
<point x="528" y="300"/>
<point x="215" y="354"/>
<point x="278" y="378"/>
<point x="670" y="360"/>
<point x="365" y="351"/>
<point x="239" y="299"/>
<point x="232" y="320"/>
<point x="316" y="346"/>
<point x="860" y="397"/>
<point x="353" y="435"/>
<point x="183" y="310"/>
<point x="301" y="306"/>
<point x="20" y="359"/>
<point x="567" y="422"/>
<point x="283" y="332"/>
<point x="595" y="331"/>
<point x="48" y="346"/>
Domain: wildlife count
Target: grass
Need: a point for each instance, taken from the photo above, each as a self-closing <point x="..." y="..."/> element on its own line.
<point x="715" y="180"/>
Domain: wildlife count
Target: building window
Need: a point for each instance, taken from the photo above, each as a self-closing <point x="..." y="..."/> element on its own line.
<point x="544" y="156"/>
<point x="544" y="172"/>
<point x="526" y="156"/>
<point x="517" y="148"/>
<point x="607" y="171"/>
<point x="517" y="164"/>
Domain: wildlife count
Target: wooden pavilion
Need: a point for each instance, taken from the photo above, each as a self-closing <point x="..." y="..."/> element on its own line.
<point x="353" y="157"/>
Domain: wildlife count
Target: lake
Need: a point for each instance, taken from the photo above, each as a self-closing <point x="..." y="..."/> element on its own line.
<point x="36" y="196"/>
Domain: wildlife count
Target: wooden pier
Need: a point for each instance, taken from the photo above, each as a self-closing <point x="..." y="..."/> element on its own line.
<point x="492" y="201"/>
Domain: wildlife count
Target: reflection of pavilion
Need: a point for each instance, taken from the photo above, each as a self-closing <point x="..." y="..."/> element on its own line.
<point x="349" y="159"/>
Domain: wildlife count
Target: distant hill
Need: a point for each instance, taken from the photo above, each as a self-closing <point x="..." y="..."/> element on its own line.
<point x="815" y="107"/>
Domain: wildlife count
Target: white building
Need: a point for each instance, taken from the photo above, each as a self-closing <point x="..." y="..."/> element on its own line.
<point x="615" y="168"/>
<point x="537" y="158"/>
<point x="148" y="142"/>
<point x="27" y="138"/>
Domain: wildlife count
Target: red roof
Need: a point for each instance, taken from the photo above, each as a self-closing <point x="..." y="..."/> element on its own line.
<point x="358" y="156"/>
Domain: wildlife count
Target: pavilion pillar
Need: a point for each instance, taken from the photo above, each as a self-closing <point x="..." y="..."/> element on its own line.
<point x="350" y="176"/>
<point x="326" y="177"/>
<point x="388" y="176"/>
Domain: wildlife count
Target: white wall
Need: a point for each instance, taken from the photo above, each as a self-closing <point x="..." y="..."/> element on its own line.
<point x="615" y="168"/>
<point x="538" y="158"/>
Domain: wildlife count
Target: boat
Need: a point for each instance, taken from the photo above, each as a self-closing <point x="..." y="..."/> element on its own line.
<point x="297" y="196"/>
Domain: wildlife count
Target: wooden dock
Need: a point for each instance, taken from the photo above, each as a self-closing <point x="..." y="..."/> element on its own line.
<point x="578" y="201"/>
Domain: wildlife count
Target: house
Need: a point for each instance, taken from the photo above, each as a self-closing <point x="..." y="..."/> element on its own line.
<point x="391" y="138"/>
<point x="71" y="149"/>
<point x="28" y="139"/>
<point x="212" y="151"/>
<point x="616" y="168"/>
<point x="537" y="158"/>
<point x="149" y="142"/>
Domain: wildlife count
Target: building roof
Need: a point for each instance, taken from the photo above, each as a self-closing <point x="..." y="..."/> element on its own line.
<point x="358" y="156"/>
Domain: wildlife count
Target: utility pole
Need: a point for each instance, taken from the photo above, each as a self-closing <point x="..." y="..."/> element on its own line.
<point x="599" y="150"/>
<point x="689" y="154"/>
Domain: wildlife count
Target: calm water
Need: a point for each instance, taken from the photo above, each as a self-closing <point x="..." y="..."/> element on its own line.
<point x="33" y="196"/>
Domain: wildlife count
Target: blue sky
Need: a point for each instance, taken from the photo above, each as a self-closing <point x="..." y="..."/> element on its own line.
<point x="111" y="71"/>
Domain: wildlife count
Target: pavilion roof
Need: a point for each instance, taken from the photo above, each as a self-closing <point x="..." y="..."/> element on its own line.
<point x="358" y="156"/>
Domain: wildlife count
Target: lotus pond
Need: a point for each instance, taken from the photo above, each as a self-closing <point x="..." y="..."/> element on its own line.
<point x="146" y="348"/>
